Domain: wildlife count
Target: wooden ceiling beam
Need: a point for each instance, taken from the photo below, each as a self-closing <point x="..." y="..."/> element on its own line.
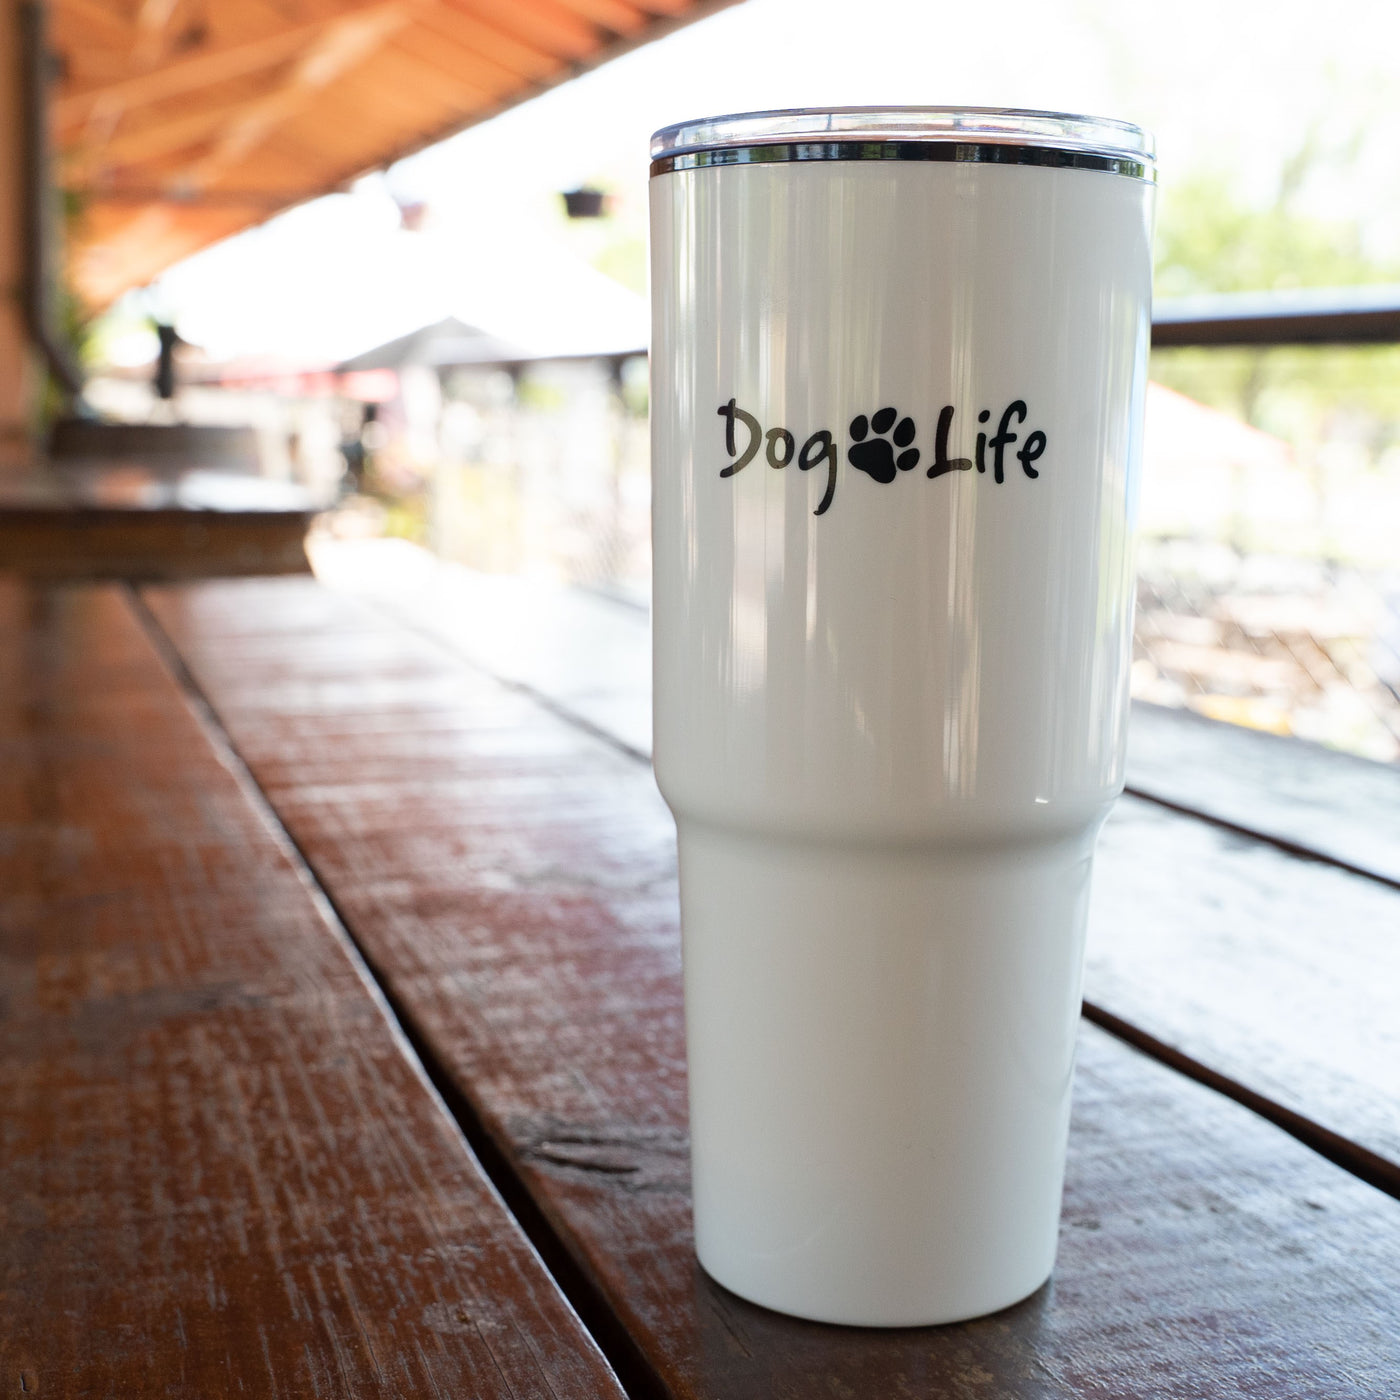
<point x="184" y="120"/>
<point x="204" y="67"/>
<point x="154" y="15"/>
<point x="541" y="24"/>
<point x="131" y="249"/>
<point x="525" y="60"/>
<point x="425" y="88"/>
<point x="131" y="145"/>
<point x="95" y="21"/>
<point x="477" y="84"/>
<point x="341" y="45"/>
<point x="612" y="16"/>
<point x="671" y="9"/>
<point x="152" y="20"/>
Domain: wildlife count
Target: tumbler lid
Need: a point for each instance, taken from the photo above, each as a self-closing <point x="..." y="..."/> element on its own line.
<point x="990" y="135"/>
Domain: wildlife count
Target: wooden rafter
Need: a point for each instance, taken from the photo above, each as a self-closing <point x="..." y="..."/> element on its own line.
<point x="181" y="121"/>
<point x="490" y="42"/>
<point x="154" y="15"/>
<point x="101" y="24"/>
<point x="151" y="140"/>
<point x="152" y="20"/>
<point x="541" y="23"/>
<point x="343" y="43"/>
<point x="205" y="67"/>
<point x="616" y="16"/>
<point x="101" y="20"/>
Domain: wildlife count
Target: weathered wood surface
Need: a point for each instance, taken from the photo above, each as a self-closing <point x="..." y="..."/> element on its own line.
<point x="512" y="880"/>
<point x="1277" y="972"/>
<point x="1282" y="974"/>
<point x="591" y="656"/>
<point x="77" y="545"/>
<point x="147" y="520"/>
<point x="585" y="653"/>
<point x="220" y="1172"/>
<point x="1344" y="808"/>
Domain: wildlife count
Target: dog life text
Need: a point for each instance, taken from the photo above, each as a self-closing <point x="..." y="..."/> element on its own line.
<point x="876" y="440"/>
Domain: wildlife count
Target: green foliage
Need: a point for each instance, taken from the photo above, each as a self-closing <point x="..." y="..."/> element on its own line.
<point x="1302" y="394"/>
<point x="539" y="394"/>
<point x="1209" y="239"/>
<point x="406" y="518"/>
<point x="624" y="258"/>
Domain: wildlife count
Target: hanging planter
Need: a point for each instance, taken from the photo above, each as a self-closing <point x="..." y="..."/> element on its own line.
<point x="584" y="204"/>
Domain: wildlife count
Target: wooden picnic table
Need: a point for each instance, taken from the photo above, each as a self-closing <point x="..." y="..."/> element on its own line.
<point x="94" y="519"/>
<point x="340" y="1033"/>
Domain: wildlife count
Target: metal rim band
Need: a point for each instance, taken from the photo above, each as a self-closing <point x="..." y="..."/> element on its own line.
<point x="960" y="152"/>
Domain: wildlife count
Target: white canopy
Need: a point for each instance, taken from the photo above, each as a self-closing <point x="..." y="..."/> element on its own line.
<point x="347" y="279"/>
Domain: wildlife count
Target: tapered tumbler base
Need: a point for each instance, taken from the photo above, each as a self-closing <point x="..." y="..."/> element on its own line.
<point x="881" y="1045"/>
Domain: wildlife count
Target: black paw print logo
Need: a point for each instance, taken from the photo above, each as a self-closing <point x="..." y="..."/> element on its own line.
<point x="876" y="457"/>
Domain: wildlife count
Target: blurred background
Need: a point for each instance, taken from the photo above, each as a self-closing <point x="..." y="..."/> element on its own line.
<point x="380" y="269"/>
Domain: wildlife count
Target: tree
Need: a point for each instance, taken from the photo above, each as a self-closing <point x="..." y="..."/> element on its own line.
<point x="1209" y="239"/>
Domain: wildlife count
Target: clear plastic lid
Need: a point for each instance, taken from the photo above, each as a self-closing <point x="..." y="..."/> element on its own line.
<point x="1117" y="144"/>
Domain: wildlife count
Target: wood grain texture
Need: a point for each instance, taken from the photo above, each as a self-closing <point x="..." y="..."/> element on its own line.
<point x="1283" y="974"/>
<point x="176" y="134"/>
<point x="591" y="655"/>
<point x="220" y="1172"/>
<point x="1344" y="808"/>
<point x="80" y="544"/>
<point x="1277" y="972"/>
<point x="512" y="879"/>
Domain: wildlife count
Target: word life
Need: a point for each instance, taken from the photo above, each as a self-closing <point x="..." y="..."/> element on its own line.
<point x="882" y="446"/>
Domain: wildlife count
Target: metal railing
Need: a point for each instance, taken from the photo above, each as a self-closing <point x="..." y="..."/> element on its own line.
<point x="1316" y="650"/>
<point x="1324" y="316"/>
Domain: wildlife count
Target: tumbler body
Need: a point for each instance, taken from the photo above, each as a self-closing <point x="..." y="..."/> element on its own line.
<point x="890" y="706"/>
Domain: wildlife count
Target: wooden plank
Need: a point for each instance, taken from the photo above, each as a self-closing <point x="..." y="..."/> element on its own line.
<point x="1229" y="967"/>
<point x="476" y="81"/>
<point x="209" y="64"/>
<point x="591" y="656"/>
<point x="1282" y="974"/>
<point x="1345" y="808"/>
<point x="542" y="24"/>
<point x="492" y="42"/>
<point x="101" y="544"/>
<point x="613" y="16"/>
<point x="89" y="20"/>
<point x="343" y="46"/>
<point x="511" y="877"/>
<point x="220" y="1174"/>
<point x="587" y="654"/>
<point x="152" y="139"/>
<point x="276" y="72"/>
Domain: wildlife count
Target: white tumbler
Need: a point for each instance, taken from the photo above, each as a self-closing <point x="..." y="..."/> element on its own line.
<point x="898" y="365"/>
